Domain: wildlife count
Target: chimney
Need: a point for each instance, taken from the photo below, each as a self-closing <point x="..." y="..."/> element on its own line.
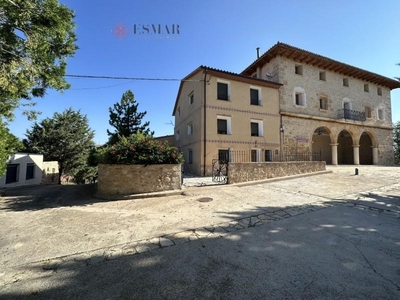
<point x="258" y="52"/>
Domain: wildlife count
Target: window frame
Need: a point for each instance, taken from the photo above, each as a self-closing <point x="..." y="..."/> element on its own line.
<point x="366" y="87"/>
<point x="380" y="114"/>
<point x="228" y="124"/>
<point x="260" y="124"/>
<point x="322" y="75"/>
<point x="228" y="89"/>
<point x="346" y="82"/>
<point x="323" y="99"/>
<point x="32" y="165"/>
<point x="259" y="101"/>
<point x="17" y="166"/>
<point x="368" y="112"/>
<point x="302" y="92"/>
<point x="191" y="98"/>
<point x="177" y="135"/>
<point x="379" y="91"/>
<point x="190" y="128"/>
<point x="266" y="152"/>
<point x="298" y="69"/>
<point x="190" y="156"/>
<point x="258" y="155"/>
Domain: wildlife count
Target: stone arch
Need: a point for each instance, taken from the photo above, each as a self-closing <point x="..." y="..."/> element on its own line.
<point x="345" y="140"/>
<point x="322" y="139"/>
<point x="367" y="142"/>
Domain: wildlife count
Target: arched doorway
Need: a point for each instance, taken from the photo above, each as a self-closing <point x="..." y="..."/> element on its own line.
<point x="366" y="149"/>
<point x="345" y="148"/>
<point x="321" y="143"/>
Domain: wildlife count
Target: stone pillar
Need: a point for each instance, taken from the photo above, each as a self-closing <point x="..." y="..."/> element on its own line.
<point x="334" y="154"/>
<point x="375" y="158"/>
<point x="356" y="154"/>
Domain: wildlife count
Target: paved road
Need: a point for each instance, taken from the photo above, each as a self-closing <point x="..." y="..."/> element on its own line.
<point x="328" y="236"/>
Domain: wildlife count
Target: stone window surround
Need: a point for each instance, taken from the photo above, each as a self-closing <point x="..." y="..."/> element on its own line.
<point x="347" y="100"/>
<point x="380" y="114"/>
<point x="299" y="90"/>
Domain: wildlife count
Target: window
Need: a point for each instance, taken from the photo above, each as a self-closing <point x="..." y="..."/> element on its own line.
<point x="12" y="173"/>
<point x="191" y="98"/>
<point x="256" y="127"/>
<point x="190" y="129"/>
<point x="268" y="155"/>
<point x="255" y="97"/>
<point x="30" y="171"/>
<point x="224" y="125"/>
<point x="223" y="91"/>
<point x="177" y="135"/>
<point x="255" y="155"/>
<point x="379" y="91"/>
<point x="323" y="103"/>
<point x="368" y="112"/>
<point x="366" y="87"/>
<point x="380" y="114"/>
<point x="345" y="82"/>
<point x="298" y="69"/>
<point x="299" y="96"/>
<point x="322" y="76"/>
<point x="223" y="154"/>
<point x="179" y="111"/>
<point x="347" y="104"/>
<point x="190" y="160"/>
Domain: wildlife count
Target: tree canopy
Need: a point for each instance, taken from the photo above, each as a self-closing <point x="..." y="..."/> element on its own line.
<point x="66" y="138"/>
<point x="126" y="119"/>
<point x="36" y="38"/>
<point x="9" y="143"/>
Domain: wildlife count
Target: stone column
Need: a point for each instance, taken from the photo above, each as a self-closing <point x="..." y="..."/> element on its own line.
<point x="356" y="154"/>
<point x="375" y="158"/>
<point x="334" y="154"/>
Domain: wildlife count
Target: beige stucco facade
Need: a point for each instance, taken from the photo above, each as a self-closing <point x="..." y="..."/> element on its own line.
<point x="322" y="103"/>
<point x="196" y="128"/>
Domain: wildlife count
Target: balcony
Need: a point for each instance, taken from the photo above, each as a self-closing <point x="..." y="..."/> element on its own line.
<point x="349" y="114"/>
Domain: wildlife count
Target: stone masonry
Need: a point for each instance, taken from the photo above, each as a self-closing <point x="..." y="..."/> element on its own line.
<point x="136" y="179"/>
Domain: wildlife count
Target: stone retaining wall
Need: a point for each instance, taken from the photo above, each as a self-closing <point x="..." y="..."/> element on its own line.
<point x="137" y="179"/>
<point x="242" y="172"/>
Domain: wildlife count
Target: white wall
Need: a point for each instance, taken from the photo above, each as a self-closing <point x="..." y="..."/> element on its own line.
<point x="22" y="160"/>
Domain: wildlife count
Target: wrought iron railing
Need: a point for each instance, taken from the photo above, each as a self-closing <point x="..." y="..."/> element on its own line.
<point x="349" y="114"/>
<point x="245" y="156"/>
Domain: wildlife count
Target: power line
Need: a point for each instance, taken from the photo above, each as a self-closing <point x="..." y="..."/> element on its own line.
<point x="126" y="78"/>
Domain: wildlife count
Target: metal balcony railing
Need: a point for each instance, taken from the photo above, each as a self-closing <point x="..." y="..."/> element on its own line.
<point x="349" y="114"/>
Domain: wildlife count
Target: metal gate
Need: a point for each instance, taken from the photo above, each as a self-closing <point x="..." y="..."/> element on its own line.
<point x="220" y="170"/>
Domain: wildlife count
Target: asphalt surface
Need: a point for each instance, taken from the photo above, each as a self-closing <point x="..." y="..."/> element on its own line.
<point x="333" y="236"/>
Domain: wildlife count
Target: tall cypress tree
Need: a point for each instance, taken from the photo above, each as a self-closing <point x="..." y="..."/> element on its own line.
<point x="126" y="119"/>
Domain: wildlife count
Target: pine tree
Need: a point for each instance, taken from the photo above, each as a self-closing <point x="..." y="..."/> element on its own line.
<point x="66" y="138"/>
<point x="126" y="119"/>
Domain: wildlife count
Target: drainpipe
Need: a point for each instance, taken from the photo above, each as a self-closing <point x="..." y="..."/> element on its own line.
<point x="205" y="122"/>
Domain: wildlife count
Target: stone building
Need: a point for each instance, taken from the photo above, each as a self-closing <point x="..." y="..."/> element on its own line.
<point x="329" y="107"/>
<point x="218" y="112"/>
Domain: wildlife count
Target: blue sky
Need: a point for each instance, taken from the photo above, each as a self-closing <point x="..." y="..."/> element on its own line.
<point x="219" y="33"/>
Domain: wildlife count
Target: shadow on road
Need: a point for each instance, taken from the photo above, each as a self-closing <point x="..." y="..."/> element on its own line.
<point x="336" y="252"/>
<point x="47" y="196"/>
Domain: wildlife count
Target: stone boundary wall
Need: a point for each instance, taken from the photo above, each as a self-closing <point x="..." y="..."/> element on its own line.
<point x="137" y="179"/>
<point x="242" y="172"/>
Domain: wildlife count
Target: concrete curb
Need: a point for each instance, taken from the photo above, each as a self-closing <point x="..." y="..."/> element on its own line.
<point x="182" y="191"/>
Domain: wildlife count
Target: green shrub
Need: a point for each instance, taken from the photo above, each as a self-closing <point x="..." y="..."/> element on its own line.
<point x="139" y="149"/>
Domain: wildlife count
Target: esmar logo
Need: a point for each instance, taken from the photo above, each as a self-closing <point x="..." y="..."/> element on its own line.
<point x="120" y="31"/>
<point x="147" y="31"/>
